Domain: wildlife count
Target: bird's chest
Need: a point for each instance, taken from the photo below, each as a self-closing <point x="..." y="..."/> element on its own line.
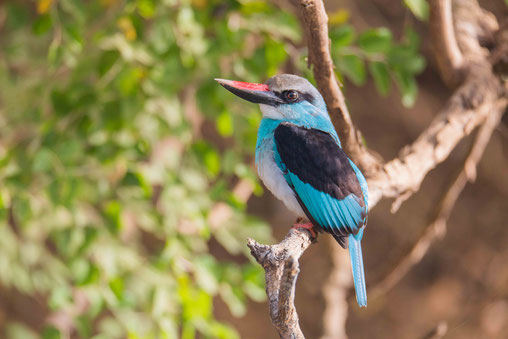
<point x="273" y="178"/>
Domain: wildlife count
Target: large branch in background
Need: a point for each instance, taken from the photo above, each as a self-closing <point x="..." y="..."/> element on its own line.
<point x="315" y="26"/>
<point x="399" y="178"/>
<point x="437" y="227"/>
<point x="449" y="57"/>
<point x="469" y="106"/>
<point x="280" y="263"/>
<point x="481" y="92"/>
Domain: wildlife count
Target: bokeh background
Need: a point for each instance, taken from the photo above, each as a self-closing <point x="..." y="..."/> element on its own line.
<point x="127" y="185"/>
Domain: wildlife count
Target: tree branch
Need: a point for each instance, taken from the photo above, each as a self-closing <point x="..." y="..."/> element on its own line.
<point x="449" y="57"/>
<point x="437" y="228"/>
<point x="281" y="266"/>
<point x="315" y="25"/>
<point x="399" y="178"/>
<point x="480" y="93"/>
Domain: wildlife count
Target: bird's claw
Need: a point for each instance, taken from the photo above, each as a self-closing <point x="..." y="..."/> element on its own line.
<point x="308" y="226"/>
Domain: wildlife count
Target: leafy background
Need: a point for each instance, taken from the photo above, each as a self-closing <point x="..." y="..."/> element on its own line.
<point x="122" y="161"/>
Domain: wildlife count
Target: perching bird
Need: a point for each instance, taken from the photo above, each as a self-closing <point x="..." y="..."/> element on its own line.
<point x="300" y="160"/>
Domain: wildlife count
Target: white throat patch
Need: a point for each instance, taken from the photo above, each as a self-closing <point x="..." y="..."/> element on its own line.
<point x="270" y="112"/>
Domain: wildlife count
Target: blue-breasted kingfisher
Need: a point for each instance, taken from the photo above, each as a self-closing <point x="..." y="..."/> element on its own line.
<point x="300" y="160"/>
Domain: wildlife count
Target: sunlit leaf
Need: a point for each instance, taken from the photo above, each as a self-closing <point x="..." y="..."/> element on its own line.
<point x="338" y="17"/>
<point x="224" y="124"/>
<point x="420" y="8"/>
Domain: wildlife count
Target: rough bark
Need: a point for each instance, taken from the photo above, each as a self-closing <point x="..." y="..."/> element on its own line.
<point x="281" y="266"/>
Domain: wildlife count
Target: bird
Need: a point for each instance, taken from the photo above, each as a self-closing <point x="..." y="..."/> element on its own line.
<point x="300" y="159"/>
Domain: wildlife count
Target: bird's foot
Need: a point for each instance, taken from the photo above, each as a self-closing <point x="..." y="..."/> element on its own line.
<point x="308" y="226"/>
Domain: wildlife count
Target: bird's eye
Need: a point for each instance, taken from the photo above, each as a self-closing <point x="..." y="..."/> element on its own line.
<point x="291" y="95"/>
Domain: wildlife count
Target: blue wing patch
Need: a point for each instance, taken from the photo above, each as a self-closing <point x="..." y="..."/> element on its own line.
<point x="339" y="217"/>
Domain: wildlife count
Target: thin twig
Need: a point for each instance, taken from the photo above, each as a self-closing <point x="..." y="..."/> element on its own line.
<point x="437" y="228"/>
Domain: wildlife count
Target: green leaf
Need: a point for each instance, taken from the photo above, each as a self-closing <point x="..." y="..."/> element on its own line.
<point x="376" y="40"/>
<point x="224" y="124"/>
<point x="60" y="297"/>
<point x="406" y="60"/>
<point x="411" y="40"/>
<point x="117" y="287"/>
<point x="61" y="101"/>
<point x="146" y="8"/>
<point x="379" y="72"/>
<point x="353" y="67"/>
<point x="42" y="24"/>
<point x="106" y="61"/>
<point x="212" y="162"/>
<point x="342" y="36"/>
<point x="276" y="54"/>
<point x="84" y="271"/>
<point x="221" y="331"/>
<point x="408" y="87"/>
<point x="43" y="160"/>
<point x="234" y="298"/>
<point x="420" y="8"/>
<point x="113" y="212"/>
<point x="51" y="332"/>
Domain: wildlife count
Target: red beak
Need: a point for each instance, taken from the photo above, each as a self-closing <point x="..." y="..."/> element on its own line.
<point x="256" y="93"/>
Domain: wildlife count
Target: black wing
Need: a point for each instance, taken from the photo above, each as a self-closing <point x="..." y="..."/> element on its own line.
<point x="322" y="177"/>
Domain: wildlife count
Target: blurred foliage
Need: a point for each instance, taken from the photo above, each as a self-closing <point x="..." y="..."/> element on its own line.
<point x="385" y="59"/>
<point x="112" y="130"/>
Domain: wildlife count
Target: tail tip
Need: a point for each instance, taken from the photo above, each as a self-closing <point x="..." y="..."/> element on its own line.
<point x="362" y="302"/>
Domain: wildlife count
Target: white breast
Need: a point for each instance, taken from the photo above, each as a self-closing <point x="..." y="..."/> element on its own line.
<point x="274" y="180"/>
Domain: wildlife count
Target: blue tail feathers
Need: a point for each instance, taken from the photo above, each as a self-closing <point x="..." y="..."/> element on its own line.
<point x="355" y="253"/>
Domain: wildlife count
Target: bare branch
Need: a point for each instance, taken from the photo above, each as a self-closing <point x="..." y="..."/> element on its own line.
<point x="474" y="29"/>
<point x="437" y="228"/>
<point x="280" y="263"/>
<point x="448" y="55"/>
<point x="315" y="26"/>
<point x="481" y="94"/>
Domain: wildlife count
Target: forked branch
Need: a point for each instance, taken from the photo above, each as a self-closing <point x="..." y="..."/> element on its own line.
<point x="437" y="227"/>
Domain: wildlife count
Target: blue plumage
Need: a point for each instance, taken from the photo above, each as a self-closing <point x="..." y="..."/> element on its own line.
<point x="300" y="159"/>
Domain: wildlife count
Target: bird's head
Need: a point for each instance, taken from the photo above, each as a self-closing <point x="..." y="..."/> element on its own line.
<point x="284" y="97"/>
